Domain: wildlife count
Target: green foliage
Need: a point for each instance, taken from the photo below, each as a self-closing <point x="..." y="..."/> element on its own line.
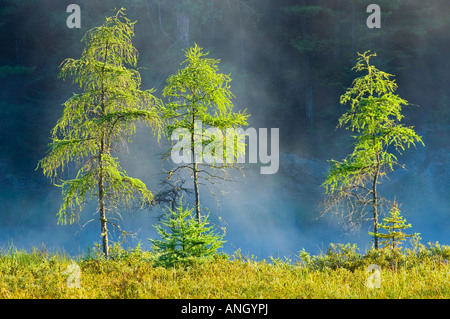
<point x="375" y="116"/>
<point x="199" y="93"/>
<point x="337" y="256"/>
<point x="100" y="117"/>
<point x="393" y="223"/>
<point x="185" y="241"/>
<point x="199" y="102"/>
<point x="95" y="121"/>
<point x="441" y="252"/>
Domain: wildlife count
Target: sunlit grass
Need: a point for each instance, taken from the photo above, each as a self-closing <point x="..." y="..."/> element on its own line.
<point x="131" y="274"/>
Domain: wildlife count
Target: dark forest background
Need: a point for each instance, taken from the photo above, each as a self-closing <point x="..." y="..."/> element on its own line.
<point x="289" y="61"/>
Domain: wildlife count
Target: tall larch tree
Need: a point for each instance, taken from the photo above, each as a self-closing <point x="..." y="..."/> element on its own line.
<point x="200" y="104"/>
<point x="375" y="116"/>
<point x="97" y="120"/>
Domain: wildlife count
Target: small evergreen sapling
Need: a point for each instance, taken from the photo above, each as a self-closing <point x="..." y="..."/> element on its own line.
<point x="184" y="239"/>
<point x="394" y="224"/>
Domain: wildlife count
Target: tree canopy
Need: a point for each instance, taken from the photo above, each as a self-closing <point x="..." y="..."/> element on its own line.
<point x="96" y="120"/>
<point x="199" y="101"/>
<point x="374" y="115"/>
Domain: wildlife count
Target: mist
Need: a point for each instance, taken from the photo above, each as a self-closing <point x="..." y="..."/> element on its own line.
<point x="288" y="69"/>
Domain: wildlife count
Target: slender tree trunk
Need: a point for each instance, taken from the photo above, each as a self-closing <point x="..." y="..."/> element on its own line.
<point x="195" y="169"/>
<point x="101" y="186"/>
<point x="375" y="212"/>
<point x="375" y="202"/>
<point x="197" y="194"/>
<point x="101" y="203"/>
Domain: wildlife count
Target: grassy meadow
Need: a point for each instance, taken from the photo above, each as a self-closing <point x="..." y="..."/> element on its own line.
<point x="341" y="272"/>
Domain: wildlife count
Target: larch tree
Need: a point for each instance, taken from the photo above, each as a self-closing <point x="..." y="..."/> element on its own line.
<point x="394" y="223"/>
<point x="95" y="122"/>
<point x="374" y="115"/>
<point x="201" y="112"/>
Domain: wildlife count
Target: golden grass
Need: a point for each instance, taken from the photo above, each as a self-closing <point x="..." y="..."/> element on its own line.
<point x="43" y="275"/>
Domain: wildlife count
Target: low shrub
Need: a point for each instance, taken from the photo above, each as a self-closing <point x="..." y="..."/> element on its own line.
<point x="337" y="256"/>
<point x="348" y="257"/>
<point x="185" y="240"/>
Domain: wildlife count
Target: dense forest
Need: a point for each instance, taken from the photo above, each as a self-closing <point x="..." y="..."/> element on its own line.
<point x="289" y="61"/>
